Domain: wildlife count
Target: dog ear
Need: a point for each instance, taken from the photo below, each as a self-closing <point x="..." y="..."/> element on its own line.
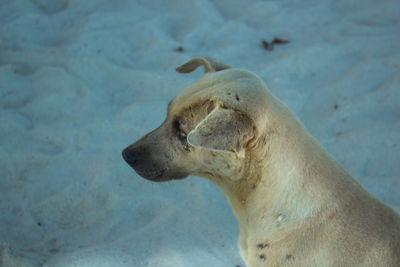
<point x="223" y="129"/>
<point x="210" y="65"/>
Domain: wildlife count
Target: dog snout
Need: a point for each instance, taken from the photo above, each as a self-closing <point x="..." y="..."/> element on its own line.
<point x="131" y="155"/>
<point x="142" y="161"/>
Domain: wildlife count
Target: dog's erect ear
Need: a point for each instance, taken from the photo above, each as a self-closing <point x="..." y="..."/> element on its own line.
<point x="209" y="64"/>
<point x="223" y="129"/>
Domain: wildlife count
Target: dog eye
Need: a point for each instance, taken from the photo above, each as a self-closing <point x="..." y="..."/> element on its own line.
<point x="181" y="135"/>
<point x="177" y="126"/>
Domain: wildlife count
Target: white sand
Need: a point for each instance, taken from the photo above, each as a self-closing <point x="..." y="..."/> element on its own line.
<point x="80" y="80"/>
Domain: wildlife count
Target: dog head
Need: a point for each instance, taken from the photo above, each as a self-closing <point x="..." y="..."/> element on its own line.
<point x="208" y="130"/>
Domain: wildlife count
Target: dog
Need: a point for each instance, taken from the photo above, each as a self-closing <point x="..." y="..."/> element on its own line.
<point x="295" y="205"/>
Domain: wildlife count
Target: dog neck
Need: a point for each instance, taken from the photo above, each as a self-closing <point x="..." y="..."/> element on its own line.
<point x="292" y="180"/>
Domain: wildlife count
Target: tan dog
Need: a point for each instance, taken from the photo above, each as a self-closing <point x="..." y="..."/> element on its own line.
<point x="296" y="206"/>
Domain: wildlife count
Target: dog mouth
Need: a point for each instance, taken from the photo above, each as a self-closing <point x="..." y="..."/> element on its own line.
<point x="140" y="160"/>
<point x="150" y="171"/>
<point x="154" y="175"/>
<point x="159" y="175"/>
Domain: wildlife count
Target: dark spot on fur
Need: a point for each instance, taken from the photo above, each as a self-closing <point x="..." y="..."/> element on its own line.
<point x="262" y="245"/>
<point x="262" y="257"/>
<point x="237" y="97"/>
<point x="39" y="224"/>
<point x="179" y="49"/>
<point x="335" y="107"/>
<point x="289" y="257"/>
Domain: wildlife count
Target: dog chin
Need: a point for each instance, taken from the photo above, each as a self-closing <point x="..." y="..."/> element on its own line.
<point x="163" y="177"/>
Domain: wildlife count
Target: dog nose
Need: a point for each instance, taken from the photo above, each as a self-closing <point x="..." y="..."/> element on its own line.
<point x="130" y="155"/>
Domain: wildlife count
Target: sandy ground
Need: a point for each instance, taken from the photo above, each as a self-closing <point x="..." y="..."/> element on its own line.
<point x="80" y="80"/>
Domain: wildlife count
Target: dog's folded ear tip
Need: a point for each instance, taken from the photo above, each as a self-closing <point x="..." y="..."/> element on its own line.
<point x="193" y="64"/>
<point x="181" y="69"/>
<point x="210" y="65"/>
